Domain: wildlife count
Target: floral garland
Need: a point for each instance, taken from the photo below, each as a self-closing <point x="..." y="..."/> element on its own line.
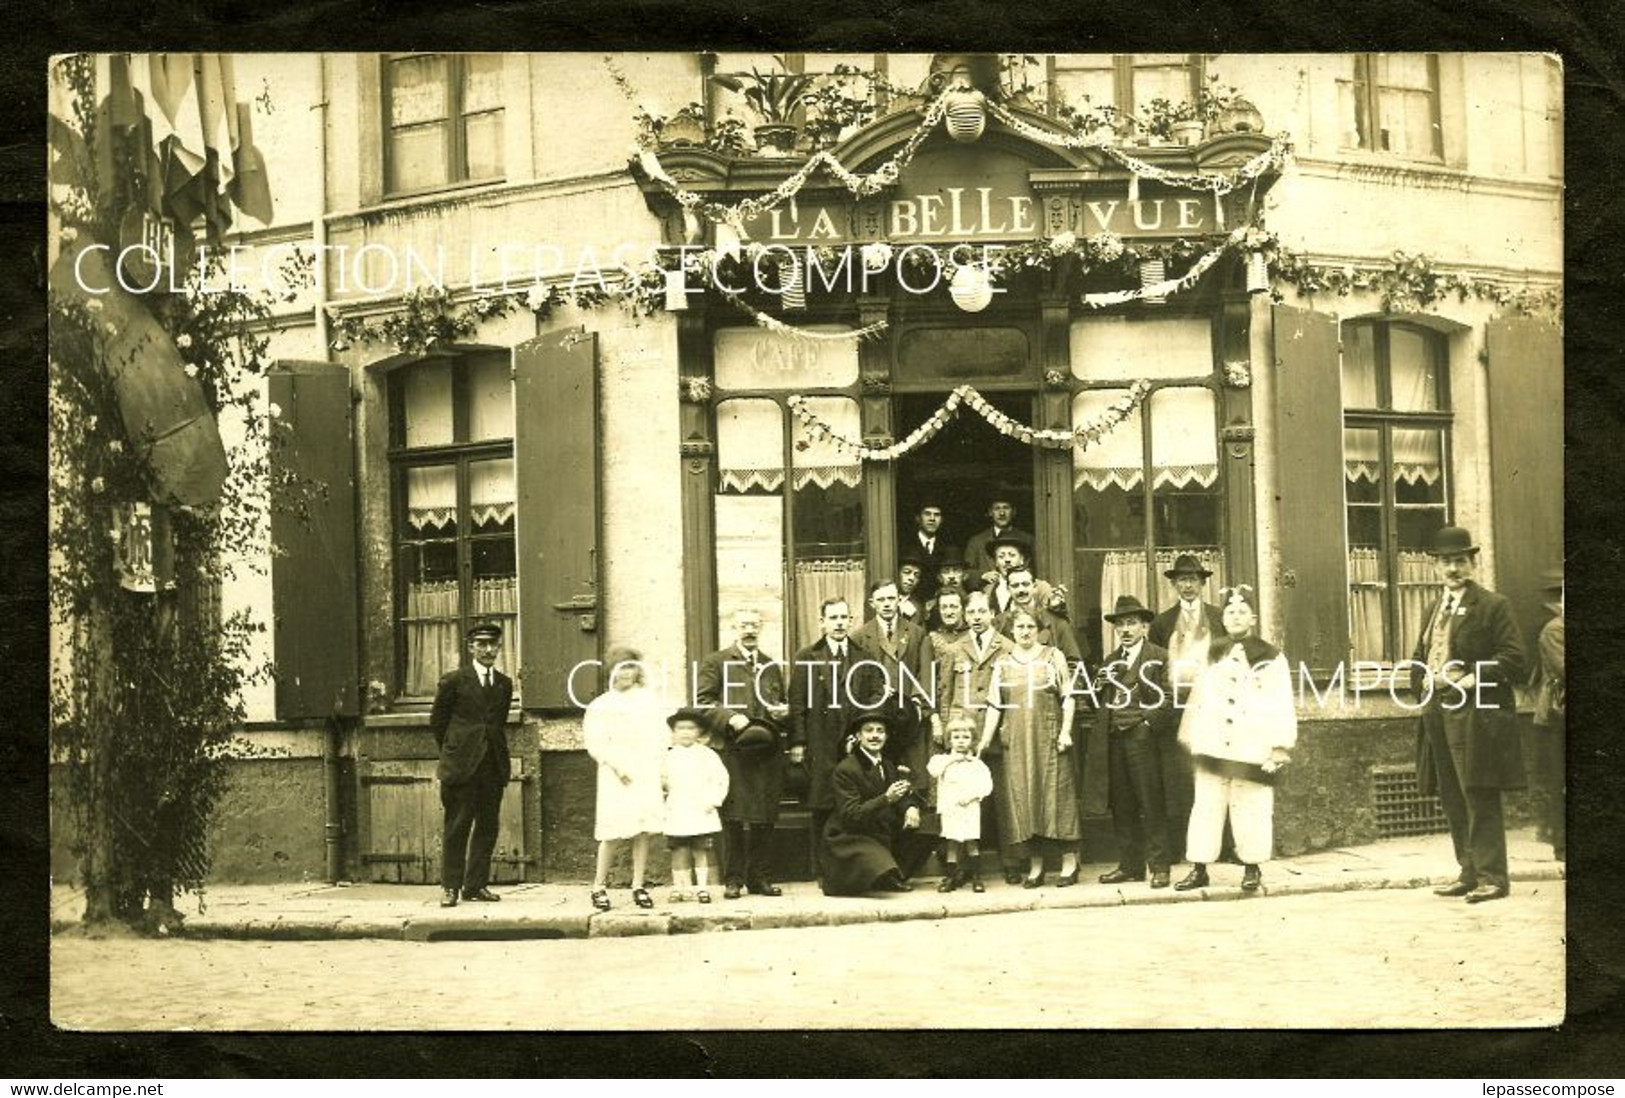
<point x="1404" y="282"/>
<point x="779" y="327"/>
<point x="1081" y="436"/>
<point x="1172" y="286"/>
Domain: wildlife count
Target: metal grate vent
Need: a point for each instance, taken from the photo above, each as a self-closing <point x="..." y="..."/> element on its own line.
<point x="1399" y="807"/>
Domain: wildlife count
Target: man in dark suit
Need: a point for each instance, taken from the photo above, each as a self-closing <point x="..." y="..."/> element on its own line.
<point x="1187" y="630"/>
<point x="926" y="548"/>
<point x="1132" y="708"/>
<point x="469" y="722"/>
<point x="832" y="680"/>
<point x="742" y="691"/>
<point x="1468" y="748"/>
<point x="1001" y="513"/>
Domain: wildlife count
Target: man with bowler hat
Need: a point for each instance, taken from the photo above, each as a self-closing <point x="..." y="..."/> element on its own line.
<point x="1187" y="629"/>
<point x="1468" y="750"/>
<point x="1131" y="693"/>
<point x="469" y="722"/>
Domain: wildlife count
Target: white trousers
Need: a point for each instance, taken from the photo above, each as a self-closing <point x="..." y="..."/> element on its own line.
<point x="1251" y="808"/>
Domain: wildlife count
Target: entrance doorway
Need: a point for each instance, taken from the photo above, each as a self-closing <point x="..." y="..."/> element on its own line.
<point x="962" y="468"/>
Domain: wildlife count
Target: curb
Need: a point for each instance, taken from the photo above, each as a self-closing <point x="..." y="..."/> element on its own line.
<point x="437" y="927"/>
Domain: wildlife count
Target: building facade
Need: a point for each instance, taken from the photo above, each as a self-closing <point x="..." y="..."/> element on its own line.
<point x="592" y="472"/>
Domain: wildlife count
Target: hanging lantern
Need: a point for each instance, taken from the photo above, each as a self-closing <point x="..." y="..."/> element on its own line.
<point x="1258" y="273"/>
<point x="676" y="291"/>
<point x="1152" y="272"/>
<point x="971" y="288"/>
<point x="966" y="115"/>
<point x="792" y="283"/>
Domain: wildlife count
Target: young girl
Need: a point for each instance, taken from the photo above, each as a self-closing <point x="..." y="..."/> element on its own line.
<point x="696" y="784"/>
<point x="962" y="781"/>
<point x="622" y="731"/>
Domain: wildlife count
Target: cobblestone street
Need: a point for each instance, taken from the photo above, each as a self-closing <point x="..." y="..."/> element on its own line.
<point x="1345" y="959"/>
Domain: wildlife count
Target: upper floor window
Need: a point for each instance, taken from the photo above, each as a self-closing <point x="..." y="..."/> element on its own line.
<point x="1124" y="81"/>
<point x="451" y="450"/>
<point x="1396" y="444"/>
<point x="1389" y="103"/>
<point x="442" y="120"/>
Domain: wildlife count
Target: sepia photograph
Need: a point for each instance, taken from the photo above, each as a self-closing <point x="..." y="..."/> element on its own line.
<point x="800" y="541"/>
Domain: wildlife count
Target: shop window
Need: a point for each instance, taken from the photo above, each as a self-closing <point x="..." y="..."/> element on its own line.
<point x="1396" y="488"/>
<point x="1125" y="81"/>
<point x="1389" y="102"/>
<point x="789" y="506"/>
<point x="1145" y="492"/>
<point x="443" y="120"/>
<point x="452" y="456"/>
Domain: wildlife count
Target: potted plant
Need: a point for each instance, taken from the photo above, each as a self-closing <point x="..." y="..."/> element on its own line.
<point x="774" y="97"/>
<point x="1164" y="121"/>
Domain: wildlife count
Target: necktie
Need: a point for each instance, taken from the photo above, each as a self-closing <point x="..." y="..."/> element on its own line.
<point x="887" y="626"/>
<point x="1439" y="638"/>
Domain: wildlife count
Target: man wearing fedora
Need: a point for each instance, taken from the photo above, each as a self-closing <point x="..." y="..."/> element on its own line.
<point x="742" y="692"/>
<point x="1468" y="751"/>
<point x="1131" y="695"/>
<point x="469" y="722"/>
<point x="1009" y="553"/>
<point x="1187" y="630"/>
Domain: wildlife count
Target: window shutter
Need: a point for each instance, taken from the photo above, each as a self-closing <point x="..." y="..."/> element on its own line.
<point x="1526" y="460"/>
<point x="556" y="453"/>
<point x="1309" y="478"/>
<point x="313" y="561"/>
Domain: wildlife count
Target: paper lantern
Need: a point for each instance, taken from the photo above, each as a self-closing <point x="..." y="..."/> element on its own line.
<point x="1258" y="273"/>
<point x="971" y="289"/>
<point x="676" y="291"/>
<point x="966" y="115"/>
<point x="792" y="282"/>
<point x="1152" y="271"/>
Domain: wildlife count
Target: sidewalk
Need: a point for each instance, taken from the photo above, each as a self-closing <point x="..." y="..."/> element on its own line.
<point x="412" y="912"/>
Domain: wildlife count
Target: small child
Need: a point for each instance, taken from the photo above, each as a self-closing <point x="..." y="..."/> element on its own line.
<point x="962" y="781"/>
<point x="696" y="784"/>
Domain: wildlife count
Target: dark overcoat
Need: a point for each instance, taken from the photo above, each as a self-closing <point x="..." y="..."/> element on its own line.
<point x="860" y="837"/>
<point x="1162" y="627"/>
<point x="825" y="694"/>
<point x="1483" y="640"/>
<point x="723" y="686"/>
<point x="467" y="721"/>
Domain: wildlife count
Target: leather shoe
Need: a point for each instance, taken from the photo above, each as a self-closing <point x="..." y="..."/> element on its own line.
<point x="732" y="892"/>
<point x="481" y="895"/>
<point x="1159" y="878"/>
<point x="1251" y="878"/>
<point x="1012" y="877"/>
<point x="1033" y="882"/>
<point x="448" y="897"/>
<point x="765" y="888"/>
<point x="1196" y="878"/>
<point x="1067" y="880"/>
<point x="1487" y="892"/>
<point x="895" y="883"/>
<point x="1454" y="889"/>
<point x="1120" y="875"/>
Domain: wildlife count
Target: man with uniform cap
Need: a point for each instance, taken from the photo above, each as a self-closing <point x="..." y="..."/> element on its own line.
<point x="1134" y="709"/>
<point x="1468" y="750"/>
<point x="742" y="690"/>
<point x="469" y="722"/>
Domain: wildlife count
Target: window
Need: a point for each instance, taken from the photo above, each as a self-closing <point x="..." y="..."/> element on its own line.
<point x="1149" y="489"/>
<point x="451" y="449"/>
<point x="1390" y="103"/>
<point x="442" y="120"/>
<point x="1126" y="81"/>
<point x="1395" y="456"/>
<point x="789" y="504"/>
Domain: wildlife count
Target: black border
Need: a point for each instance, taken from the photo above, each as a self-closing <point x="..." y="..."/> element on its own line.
<point x="1589" y="39"/>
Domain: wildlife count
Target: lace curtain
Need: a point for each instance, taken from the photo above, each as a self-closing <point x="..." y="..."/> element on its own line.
<point x="434" y="639"/>
<point x="1418" y="457"/>
<point x="1418" y="587"/>
<point x="817" y="580"/>
<point x="431" y="495"/>
<point x="1184" y="445"/>
<point x="1123" y="573"/>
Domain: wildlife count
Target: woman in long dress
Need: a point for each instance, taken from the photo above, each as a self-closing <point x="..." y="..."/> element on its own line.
<point x="626" y="735"/>
<point x="1030" y="707"/>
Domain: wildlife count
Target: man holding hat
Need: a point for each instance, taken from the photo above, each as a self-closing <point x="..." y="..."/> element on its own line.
<point x="876" y="810"/>
<point x="1131" y="692"/>
<point x="1466" y="660"/>
<point x="469" y="722"/>
<point x="742" y="691"/>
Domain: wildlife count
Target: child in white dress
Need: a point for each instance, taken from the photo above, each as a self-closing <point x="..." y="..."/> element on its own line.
<point x="962" y="780"/>
<point x="696" y="783"/>
<point x="622" y="731"/>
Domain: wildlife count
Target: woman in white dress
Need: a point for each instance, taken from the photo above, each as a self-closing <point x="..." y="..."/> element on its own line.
<point x="626" y="735"/>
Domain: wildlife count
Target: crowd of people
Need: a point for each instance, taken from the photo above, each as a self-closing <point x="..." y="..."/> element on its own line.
<point x="955" y="716"/>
